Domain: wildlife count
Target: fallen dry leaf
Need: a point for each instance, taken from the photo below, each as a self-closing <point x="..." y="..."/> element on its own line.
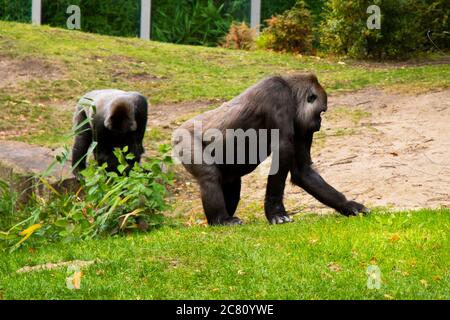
<point x="437" y="278"/>
<point x="394" y="238"/>
<point x="76" y="280"/>
<point x="334" y="267"/>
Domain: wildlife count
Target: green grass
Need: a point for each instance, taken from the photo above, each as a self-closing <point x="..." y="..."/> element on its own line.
<point x="164" y="72"/>
<point x="317" y="257"/>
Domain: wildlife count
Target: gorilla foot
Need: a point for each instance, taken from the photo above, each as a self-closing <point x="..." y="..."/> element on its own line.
<point x="279" y="219"/>
<point x="228" y="221"/>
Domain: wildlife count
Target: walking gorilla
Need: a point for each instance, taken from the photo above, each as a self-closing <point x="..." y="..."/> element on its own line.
<point x="118" y="119"/>
<point x="293" y="105"/>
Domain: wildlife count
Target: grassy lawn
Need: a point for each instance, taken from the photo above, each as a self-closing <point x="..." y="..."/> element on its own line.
<point x="317" y="257"/>
<point x="73" y="63"/>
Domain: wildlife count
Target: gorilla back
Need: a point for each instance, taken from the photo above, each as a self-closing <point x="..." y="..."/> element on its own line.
<point x="288" y="109"/>
<point x="117" y="119"/>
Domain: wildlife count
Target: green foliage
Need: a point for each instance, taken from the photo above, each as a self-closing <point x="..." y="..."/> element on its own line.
<point x="111" y="17"/>
<point x="196" y="22"/>
<point x="290" y="31"/>
<point x="17" y="10"/>
<point x="8" y="200"/>
<point x="240" y="9"/>
<point x="106" y="203"/>
<point x="404" y="25"/>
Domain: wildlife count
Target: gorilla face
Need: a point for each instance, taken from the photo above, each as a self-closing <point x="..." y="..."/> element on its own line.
<point x="318" y="108"/>
<point x="314" y="105"/>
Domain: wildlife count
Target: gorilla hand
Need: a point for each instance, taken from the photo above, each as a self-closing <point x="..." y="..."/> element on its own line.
<point x="353" y="208"/>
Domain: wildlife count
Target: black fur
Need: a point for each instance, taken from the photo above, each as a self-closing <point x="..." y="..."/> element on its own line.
<point x="119" y="120"/>
<point x="292" y="104"/>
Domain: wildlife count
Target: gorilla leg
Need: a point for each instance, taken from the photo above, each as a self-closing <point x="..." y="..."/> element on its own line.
<point x="273" y="203"/>
<point x="213" y="198"/>
<point x="232" y="195"/>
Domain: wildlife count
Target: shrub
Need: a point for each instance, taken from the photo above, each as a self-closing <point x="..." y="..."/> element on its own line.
<point x="8" y="200"/>
<point x="196" y="22"/>
<point x="110" y="17"/>
<point x="404" y="24"/>
<point x="18" y="10"/>
<point x="290" y="31"/>
<point x="107" y="203"/>
<point x="240" y="36"/>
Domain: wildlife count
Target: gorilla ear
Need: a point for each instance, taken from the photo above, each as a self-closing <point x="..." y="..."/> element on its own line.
<point x="311" y="98"/>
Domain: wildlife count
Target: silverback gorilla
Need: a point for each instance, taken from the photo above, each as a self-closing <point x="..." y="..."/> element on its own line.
<point x="118" y="119"/>
<point x="292" y="105"/>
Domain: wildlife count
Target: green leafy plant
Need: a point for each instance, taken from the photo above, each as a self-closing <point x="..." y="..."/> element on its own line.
<point x="110" y="17"/>
<point x="106" y="203"/>
<point x="18" y="10"/>
<point x="199" y="22"/>
<point x="290" y="31"/>
<point x="403" y="33"/>
<point x="8" y="200"/>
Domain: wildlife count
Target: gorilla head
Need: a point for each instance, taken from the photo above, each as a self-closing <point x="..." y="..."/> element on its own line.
<point x="119" y="115"/>
<point x="118" y="119"/>
<point x="311" y="100"/>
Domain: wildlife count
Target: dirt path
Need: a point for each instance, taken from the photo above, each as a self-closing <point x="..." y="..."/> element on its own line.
<point x="380" y="148"/>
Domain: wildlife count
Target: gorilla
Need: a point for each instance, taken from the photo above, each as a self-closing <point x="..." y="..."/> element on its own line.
<point x="289" y="105"/>
<point x="116" y="119"/>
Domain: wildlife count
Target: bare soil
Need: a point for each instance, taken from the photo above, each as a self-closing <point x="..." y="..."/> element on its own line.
<point x="14" y="71"/>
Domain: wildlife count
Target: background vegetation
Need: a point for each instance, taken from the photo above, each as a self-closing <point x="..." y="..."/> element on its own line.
<point x="119" y="18"/>
<point x="404" y="27"/>
<point x="19" y="10"/>
<point x="334" y="26"/>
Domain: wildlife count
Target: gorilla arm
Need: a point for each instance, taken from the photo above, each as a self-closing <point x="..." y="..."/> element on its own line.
<point x="83" y="140"/>
<point x="283" y="108"/>
<point x="141" y="120"/>
<point x="304" y="176"/>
